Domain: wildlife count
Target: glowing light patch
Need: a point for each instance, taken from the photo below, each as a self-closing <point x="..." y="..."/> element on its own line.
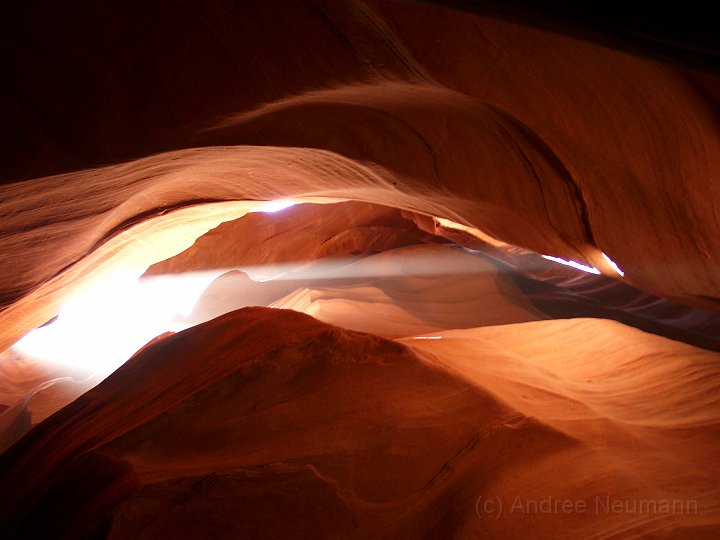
<point x="574" y="264"/>
<point x="426" y="337"/>
<point x="477" y="233"/>
<point x="275" y="206"/>
<point x="614" y="266"/>
<point x="107" y="323"/>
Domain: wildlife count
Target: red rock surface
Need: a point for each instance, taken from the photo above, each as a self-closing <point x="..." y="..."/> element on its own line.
<point x="268" y="422"/>
<point x="447" y="150"/>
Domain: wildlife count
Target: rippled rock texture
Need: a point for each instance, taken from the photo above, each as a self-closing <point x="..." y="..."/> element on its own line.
<point x="391" y="357"/>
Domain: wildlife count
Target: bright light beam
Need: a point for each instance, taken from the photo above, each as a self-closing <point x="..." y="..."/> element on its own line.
<point x="574" y="264"/>
<point x="104" y="325"/>
<point x="275" y="206"/>
<point x="614" y="266"/>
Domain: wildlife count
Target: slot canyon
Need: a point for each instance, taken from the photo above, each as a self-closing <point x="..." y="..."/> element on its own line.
<point x="374" y="269"/>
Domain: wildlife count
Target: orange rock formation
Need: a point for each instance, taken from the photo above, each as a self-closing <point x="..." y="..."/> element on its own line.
<point x="391" y="357"/>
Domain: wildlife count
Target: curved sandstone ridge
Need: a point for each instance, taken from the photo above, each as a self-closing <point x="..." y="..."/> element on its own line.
<point x="586" y="151"/>
<point x="346" y="434"/>
<point x="398" y="292"/>
<point x="433" y="155"/>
